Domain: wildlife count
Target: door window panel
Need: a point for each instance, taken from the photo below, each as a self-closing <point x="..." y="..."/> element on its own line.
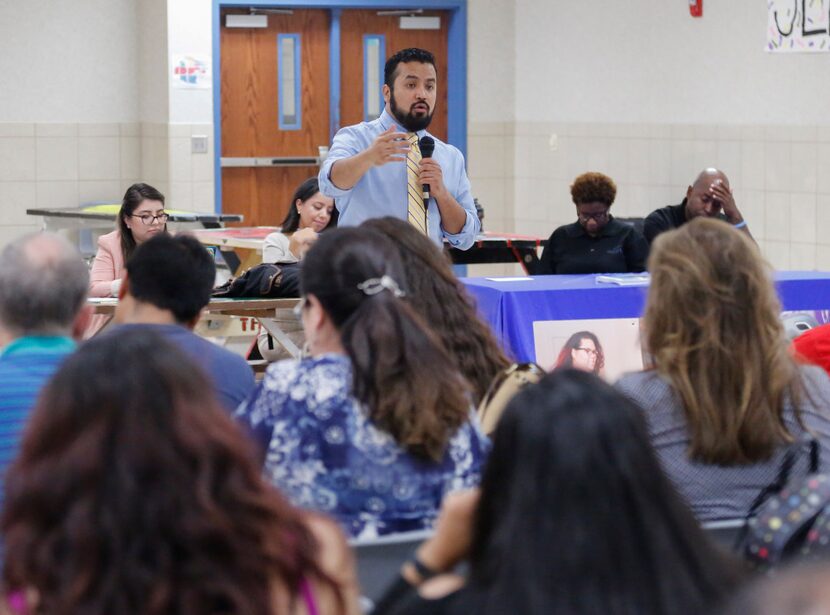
<point x="374" y="58"/>
<point x="289" y="79"/>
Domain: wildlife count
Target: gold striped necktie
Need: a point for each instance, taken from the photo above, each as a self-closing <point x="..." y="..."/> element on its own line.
<point x="417" y="214"/>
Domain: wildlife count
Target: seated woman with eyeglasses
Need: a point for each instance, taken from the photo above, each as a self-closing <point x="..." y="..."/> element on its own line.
<point x="376" y="425"/>
<point x="141" y="217"/>
<point x="596" y="242"/>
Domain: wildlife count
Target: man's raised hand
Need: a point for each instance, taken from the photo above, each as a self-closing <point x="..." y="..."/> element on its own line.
<point x="389" y="146"/>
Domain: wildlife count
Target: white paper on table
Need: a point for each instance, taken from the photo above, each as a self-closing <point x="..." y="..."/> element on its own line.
<point x="521" y="279"/>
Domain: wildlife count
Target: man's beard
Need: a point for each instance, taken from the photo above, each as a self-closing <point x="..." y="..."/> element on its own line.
<point x="409" y="121"/>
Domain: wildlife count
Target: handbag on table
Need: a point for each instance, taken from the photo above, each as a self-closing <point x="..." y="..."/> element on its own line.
<point x="265" y="281"/>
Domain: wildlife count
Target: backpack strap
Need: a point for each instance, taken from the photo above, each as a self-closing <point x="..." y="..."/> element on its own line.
<point x="794" y="450"/>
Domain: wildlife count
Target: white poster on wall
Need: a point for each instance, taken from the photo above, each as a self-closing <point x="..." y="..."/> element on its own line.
<point x="798" y="26"/>
<point x="190" y="71"/>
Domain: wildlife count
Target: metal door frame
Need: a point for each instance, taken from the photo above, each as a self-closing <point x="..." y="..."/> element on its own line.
<point x="456" y="63"/>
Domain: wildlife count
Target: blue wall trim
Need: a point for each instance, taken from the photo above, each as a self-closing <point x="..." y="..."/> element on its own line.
<point x="457" y="80"/>
<point x="217" y="111"/>
<point x="297" y="124"/>
<point x="368" y="92"/>
<point x="334" y="74"/>
<point x="456" y="62"/>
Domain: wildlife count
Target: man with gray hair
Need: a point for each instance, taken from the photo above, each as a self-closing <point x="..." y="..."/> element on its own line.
<point x="43" y="286"/>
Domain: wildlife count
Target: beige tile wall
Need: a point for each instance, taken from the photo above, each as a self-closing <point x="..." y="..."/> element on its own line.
<point x="520" y="172"/>
<point x="490" y="165"/>
<point x="64" y="165"/>
<point x="775" y="172"/>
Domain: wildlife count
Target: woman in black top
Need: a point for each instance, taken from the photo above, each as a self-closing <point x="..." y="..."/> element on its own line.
<point x="595" y="243"/>
<point x="574" y="517"/>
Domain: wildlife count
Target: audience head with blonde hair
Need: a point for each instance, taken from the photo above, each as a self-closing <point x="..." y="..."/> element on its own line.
<point x="713" y="330"/>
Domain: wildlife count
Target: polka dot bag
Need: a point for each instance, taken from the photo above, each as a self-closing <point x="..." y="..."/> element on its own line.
<point x="790" y="519"/>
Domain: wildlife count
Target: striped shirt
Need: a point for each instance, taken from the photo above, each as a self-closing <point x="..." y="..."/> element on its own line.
<point x="25" y="366"/>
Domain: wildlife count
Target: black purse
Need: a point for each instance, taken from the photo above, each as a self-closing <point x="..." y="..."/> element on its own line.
<point x="265" y="281"/>
<point x="789" y="519"/>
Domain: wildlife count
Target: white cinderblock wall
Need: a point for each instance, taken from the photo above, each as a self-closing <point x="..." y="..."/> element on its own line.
<point x="647" y="94"/>
<point x="638" y="90"/>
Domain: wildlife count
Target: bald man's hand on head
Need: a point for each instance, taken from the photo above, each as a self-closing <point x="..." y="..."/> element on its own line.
<point x="722" y="194"/>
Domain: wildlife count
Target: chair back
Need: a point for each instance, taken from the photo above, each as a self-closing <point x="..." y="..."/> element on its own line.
<point x="379" y="560"/>
<point x="637" y="223"/>
<point x="724" y="533"/>
<point x="502" y="389"/>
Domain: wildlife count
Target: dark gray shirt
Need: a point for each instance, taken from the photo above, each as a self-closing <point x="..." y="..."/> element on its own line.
<point x="719" y="492"/>
<point x="619" y="248"/>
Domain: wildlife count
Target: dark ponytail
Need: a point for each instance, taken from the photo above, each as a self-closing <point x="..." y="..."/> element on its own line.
<point x="405" y="379"/>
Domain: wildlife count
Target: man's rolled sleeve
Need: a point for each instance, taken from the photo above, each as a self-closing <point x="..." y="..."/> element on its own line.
<point x="465" y="238"/>
<point x="344" y="145"/>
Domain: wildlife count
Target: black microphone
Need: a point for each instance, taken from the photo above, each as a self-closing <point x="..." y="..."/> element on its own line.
<point x="427" y="145"/>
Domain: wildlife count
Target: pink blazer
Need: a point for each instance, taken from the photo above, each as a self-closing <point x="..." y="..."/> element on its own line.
<point x="107" y="266"/>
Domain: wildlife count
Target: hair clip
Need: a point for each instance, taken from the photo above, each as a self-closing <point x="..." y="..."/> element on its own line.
<point x="373" y="286"/>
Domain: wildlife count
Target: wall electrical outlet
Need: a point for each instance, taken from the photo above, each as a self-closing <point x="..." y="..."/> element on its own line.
<point x="198" y="144"/>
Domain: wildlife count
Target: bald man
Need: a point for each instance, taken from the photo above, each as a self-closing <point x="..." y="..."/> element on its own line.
<point x="709" y="196"/>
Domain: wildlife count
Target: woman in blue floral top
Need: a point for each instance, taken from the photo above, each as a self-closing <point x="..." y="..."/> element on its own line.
<point x="376" y="426"/>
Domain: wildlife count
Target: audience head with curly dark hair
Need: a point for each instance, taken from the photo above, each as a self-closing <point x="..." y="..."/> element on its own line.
<point x="443" y="302"/>
<point x="134" y="493"/>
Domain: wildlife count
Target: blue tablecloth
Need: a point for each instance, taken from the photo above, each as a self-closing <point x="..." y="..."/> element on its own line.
<point x="511" y="307"/>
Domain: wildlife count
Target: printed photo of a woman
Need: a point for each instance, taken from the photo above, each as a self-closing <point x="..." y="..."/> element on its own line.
<point x="582" y="351"/>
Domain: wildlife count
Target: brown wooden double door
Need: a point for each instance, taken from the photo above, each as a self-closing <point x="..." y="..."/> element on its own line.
<point x="254" y="133"/>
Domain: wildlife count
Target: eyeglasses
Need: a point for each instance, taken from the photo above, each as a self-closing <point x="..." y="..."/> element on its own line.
<point x="600" y="217"/>
<point x="590" y="351"/>
<point x="149" y="218"/>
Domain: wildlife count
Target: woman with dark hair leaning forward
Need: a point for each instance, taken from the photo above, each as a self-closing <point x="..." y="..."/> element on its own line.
<point x="574" y="516"/>
<point x="725" y="397"/>
<point x="309" y="213"/>
<point x="444" y="304"/>
<point x="374" y="427"/>
<point x="135" y="494"/>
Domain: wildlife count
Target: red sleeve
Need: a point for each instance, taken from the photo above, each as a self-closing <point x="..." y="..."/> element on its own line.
<point x="814" y="347"/>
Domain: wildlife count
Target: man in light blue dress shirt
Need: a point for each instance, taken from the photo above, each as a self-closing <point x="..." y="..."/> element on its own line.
<point x="365" y="171"/>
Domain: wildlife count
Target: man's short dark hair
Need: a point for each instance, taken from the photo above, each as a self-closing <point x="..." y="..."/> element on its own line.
<point x="412" y="54"/>
<point x="174" y="273"/>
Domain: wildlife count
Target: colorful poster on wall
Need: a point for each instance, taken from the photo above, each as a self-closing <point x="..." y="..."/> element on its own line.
<point x="798" y="26"/>
<point x="190" y="71"/>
